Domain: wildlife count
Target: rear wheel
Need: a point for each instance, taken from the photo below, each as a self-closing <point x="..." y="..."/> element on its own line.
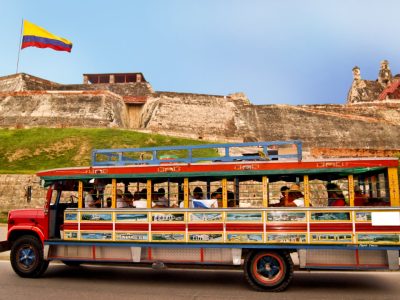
<point x="27" y="257"/>
<point x="268" y="270"/>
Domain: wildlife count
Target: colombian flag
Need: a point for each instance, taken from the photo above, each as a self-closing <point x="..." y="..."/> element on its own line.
<point x="35" y="36"/>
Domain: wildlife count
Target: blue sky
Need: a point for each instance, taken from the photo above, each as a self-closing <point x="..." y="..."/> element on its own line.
<point x="289" y="52"/>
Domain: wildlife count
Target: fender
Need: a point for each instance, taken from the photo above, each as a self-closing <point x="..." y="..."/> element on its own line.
<point x="34" y="229"/>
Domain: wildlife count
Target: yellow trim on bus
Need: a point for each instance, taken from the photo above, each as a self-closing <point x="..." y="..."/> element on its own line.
<point x="351" y="189"/>
<point x="149" y="190"/>
<point x="186" y="192"/>
<point x="393" y="179"/>
<point x="265" y="191"/>
<point x="80" y="194"/>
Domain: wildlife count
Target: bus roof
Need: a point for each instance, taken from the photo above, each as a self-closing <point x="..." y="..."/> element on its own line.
<point x="342" y="167"/>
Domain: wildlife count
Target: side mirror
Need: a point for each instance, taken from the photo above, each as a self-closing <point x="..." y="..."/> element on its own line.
<point x="28" y="193"/>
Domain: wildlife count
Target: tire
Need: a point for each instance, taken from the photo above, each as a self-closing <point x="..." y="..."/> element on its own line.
<point x="268" y="270"/>
<point x="27" y="257"/>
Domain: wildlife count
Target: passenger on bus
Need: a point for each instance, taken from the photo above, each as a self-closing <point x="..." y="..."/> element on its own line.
<point x="109" y="202"/>
<point x="160" y="199"/>
<point x="90" y="201"/>
<point x="217" y="195"/>
<point x="140" y="199"/>
<point x="295" y="197"/>
<point x="360" y="199"/>
<point x="231" y="199"/>
<point x="335" y="195"/>
<point x="121" y="203"/>
<point x="199" y="202"/>
<point x="128" y="198"/>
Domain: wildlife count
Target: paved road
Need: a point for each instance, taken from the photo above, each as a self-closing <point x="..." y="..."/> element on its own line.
<point x="3" y="237"/>
<point x="108" y="282"/>
<point x="91" y="282"/>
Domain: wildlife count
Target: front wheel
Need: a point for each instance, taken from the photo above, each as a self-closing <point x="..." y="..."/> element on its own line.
<point x="268" y="270"/>
<point x="27" y="257"/>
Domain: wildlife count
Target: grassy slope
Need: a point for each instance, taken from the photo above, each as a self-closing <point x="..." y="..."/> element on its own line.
<point x="26" y="151"/>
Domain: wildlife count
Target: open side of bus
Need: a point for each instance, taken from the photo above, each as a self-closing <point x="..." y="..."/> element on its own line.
<point x="246" y="226"/>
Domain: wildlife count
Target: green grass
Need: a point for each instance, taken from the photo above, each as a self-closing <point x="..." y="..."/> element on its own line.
<point x="26" y="151"/>
<point x="3" y="217"/>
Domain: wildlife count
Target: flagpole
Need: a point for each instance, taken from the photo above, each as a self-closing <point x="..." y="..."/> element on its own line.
<point x="20" y="41"/>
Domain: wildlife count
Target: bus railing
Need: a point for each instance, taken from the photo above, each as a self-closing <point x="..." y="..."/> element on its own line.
<point x="135" y="156"/>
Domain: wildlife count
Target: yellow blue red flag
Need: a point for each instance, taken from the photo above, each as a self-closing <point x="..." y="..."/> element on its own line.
<point x="35" y="36"/>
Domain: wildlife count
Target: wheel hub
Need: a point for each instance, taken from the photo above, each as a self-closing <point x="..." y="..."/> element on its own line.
<point x="27" y="257"/>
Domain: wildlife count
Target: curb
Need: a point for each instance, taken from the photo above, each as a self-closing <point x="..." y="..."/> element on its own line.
<point x="4" y="257"/>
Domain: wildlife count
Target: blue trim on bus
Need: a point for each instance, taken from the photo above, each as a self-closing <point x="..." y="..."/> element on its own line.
<point x="120" y="157"/>
<point x="242" y="246"/>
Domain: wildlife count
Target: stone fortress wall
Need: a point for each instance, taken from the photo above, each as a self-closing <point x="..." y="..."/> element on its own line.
<point x="368" y="124"/>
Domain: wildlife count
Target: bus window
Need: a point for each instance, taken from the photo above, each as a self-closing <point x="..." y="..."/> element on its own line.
<point x="97" y="193"/>
<point x="200" y="195"/>
<point x="277" y="192"/>
<point x="326" y="190"/>
<point x="250" y="192"/>
<point x="286" y="191"/>
<point x="371" y="190"/>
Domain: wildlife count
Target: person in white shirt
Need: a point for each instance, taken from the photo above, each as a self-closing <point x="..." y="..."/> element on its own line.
<point x="89" y="200"/>
<point x="121" y="203"/>
<point x="199" y="202"/>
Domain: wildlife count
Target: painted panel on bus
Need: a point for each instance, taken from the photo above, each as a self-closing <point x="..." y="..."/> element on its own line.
<point x="383" y="238"/>
<point x="206" y="217"/>
<point x="131" y="236"/>
<point x="131" y="217"/>
<point x="70" y="217"/>
<point x="70" y="235"/>
<point x="278" y="216"/>
<point x="286" y="238"/>
<point x="244" y="237"/>
<point x="330" y="216"/>
<point x="363" y="216"/>
<point x="243" y="217"/>
<point x="331" y="238"/>
<point x="92" y="216"/>
<point x="94" y="236"/>
<point x="168" y="217"/>
<point x="206" y="237"/>
<point x="168" y="237"/>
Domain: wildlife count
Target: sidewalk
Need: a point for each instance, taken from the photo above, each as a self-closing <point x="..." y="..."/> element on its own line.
<point x="3" y="236"/>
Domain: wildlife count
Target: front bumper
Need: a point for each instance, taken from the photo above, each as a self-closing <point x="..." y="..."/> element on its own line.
<point x="5" y="246"/>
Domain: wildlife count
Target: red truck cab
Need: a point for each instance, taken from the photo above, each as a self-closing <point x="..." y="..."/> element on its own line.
<point x="27" y="231"/>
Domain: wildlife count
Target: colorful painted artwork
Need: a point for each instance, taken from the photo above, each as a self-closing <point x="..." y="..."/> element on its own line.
<point x="280" y="216"/>
<point x="286" y="238"/>
<point x="330" y="216"/>
<point x="362" y="216"/>
<point x="244" y="217"/>
<point x="168" y="217"/>
<point x="205" y="217"/>
<point x="131" y="236"/>
<point x="205" y="237"/>
<point x="131" y="217"/>
<point x="98" y="217"/>
<point x="245" y="237"/>
<point x="105" y="236"/>
<point x="168" y="237"/>
<point x="71" y="235"/>
<point x="331" y="238"/>
<point x="392" y="238"/>
<point x="71" y="216"/>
